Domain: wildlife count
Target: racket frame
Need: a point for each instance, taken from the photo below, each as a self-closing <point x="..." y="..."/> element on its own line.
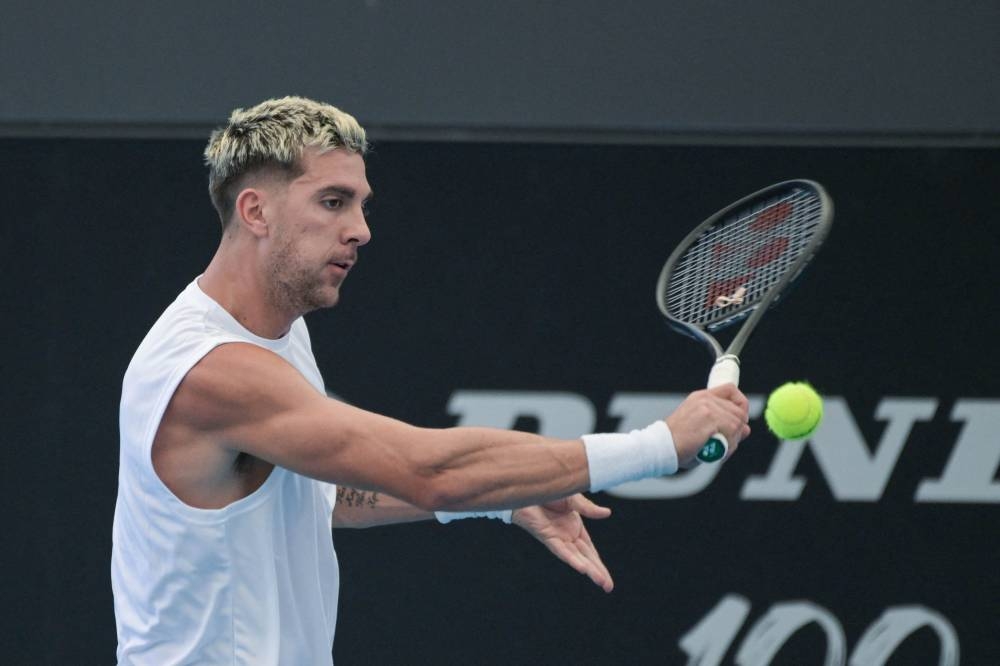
<point x="726" y="368"/>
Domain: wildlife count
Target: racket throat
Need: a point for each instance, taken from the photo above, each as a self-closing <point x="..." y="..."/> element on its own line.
<point x="725" y="371"/>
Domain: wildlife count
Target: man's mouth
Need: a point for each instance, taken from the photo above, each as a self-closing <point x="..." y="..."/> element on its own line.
<point x="343" y="265"/>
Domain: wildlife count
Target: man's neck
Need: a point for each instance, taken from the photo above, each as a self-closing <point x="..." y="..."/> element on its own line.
<point x="233" y="281"/>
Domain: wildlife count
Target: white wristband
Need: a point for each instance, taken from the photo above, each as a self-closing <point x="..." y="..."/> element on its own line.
<point x="445" y="517"/>
<point x="615" y="458"/>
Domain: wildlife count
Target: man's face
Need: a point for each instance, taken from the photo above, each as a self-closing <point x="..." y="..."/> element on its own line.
<point x="316" y="223"/>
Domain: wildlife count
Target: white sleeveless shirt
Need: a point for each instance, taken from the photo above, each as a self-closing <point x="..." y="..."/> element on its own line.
<point x="255" y="582"/>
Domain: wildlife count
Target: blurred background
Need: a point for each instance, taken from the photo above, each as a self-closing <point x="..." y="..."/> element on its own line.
<point x="534" y="165"/>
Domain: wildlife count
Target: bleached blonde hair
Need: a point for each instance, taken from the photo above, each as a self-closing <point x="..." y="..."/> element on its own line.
<point x="270" y="137"/>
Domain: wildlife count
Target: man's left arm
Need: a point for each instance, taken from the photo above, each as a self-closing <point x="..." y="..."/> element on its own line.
<point x="368" y="508"/>
<point x="558" y="525"/>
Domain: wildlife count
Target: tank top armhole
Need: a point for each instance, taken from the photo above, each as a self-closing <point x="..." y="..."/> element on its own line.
<point x="195" y="513"/>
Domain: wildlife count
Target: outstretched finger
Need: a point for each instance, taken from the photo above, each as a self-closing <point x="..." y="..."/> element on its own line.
<point x="588" y="550"/>
<point x="571" y="555"/>
<point x="565" y="552"/>
<point x="588" y="509"/>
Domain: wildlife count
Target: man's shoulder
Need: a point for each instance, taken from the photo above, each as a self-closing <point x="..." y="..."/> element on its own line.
<point x="183" y="333"/>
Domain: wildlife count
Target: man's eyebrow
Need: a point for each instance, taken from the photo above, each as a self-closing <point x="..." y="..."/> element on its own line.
<point x="343" y="191"/>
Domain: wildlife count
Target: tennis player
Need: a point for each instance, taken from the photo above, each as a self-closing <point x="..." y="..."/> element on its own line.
<point x="234" y="463"/>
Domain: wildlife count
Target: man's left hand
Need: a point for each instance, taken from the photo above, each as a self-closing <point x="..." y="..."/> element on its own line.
<point x="559" y="525"/>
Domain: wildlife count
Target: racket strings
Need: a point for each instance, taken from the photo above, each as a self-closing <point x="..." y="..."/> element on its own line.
<point x="733" y="264"/>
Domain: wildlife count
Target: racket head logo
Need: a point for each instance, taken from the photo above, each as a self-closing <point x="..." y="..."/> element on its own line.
<point x="733" y="291"/>
<point x="737" y="257"/>
<point x="772" y="216"/>
<point x="769" y="252"/>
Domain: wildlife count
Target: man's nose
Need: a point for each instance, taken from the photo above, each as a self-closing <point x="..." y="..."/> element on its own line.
<point x="358" y="231"/>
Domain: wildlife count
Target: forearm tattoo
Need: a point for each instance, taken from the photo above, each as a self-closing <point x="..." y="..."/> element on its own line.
<point x="352" y="497"/>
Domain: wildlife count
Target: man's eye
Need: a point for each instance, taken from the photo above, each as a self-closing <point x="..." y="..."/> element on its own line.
<point x="333" y="204"/>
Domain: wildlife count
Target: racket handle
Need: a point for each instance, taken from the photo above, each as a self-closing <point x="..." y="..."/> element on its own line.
<point x="725" y="371"/>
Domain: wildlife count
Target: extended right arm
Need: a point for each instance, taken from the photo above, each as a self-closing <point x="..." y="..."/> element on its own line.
<point x="247" y="399"/>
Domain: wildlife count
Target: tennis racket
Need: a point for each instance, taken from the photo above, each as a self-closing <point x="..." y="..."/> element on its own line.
<point x="737" y="264"/>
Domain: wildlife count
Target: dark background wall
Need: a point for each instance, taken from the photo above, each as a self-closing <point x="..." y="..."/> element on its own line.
<point x="535" y="164"/>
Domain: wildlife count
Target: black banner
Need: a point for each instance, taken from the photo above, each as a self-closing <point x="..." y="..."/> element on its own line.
<point x="512" y="285"/>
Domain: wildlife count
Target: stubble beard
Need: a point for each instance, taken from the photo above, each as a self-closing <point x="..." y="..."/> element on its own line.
<point x="292" y="286"/>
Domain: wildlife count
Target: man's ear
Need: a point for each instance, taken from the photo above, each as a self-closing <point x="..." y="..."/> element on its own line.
<point x="249" y="211"/>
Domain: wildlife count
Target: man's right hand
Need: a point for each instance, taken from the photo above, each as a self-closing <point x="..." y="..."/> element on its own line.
<point x="722" y="409"/>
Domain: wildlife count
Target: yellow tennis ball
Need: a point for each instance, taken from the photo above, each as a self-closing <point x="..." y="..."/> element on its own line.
<point x="794" y="410"/>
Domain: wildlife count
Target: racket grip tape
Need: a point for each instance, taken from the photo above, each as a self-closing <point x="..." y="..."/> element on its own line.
<point x="725" y="371"/>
